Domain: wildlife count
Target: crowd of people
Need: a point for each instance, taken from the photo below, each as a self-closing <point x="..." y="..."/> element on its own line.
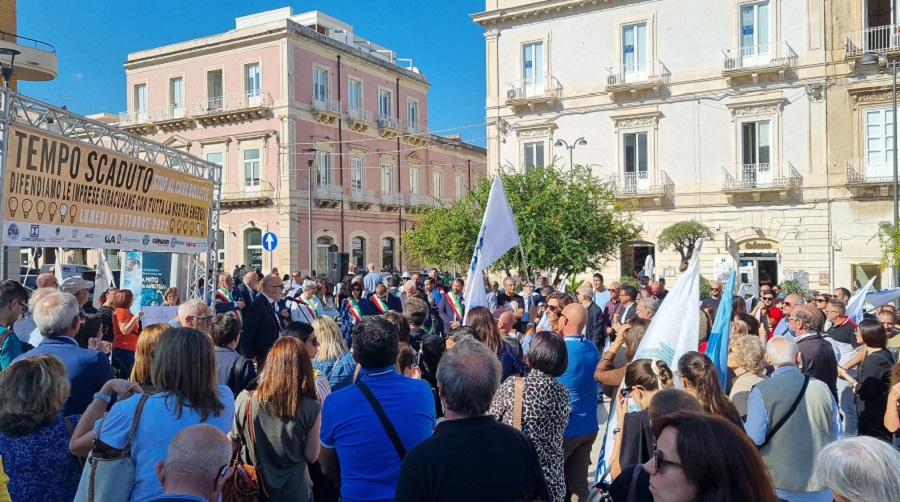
<point x="383" y="388"/>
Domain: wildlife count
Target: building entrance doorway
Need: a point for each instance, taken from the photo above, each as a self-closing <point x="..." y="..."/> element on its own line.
<point x="758" y="269"/>
<point x="634" y="256"/>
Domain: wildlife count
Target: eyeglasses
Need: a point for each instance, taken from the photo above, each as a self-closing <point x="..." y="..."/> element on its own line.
<point x="206" y="318"/>
<point x="792" y="319"/>
<point x="821" y="300"/>
<point x="715" y="289"/>
<point x="785" y="304"/>
<point x="613" y="289"/>
<point x="768" y="298"/>
<point x="662" y="462"/>
<point x="314" y="340"/>
<point x="553" y="308"/>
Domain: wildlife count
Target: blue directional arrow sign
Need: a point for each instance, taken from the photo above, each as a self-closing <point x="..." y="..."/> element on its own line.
<point x="269" y="241"/>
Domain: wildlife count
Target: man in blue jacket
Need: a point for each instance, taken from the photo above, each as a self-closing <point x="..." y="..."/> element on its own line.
<point x="57" y="317"/>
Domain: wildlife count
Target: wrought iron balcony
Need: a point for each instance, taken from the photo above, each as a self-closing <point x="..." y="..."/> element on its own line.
<point x="237" y="195"/>
<point x="883" y="39"/>
<point x="416" y="199"/>
<point x="359" y="119"/>
<point x="389" y="127"/>
<point x="363" y="198"/>
<point x="756" y="60"/>
<point x="416" y="134"/>
<point x="759" y="178"/>
<point x="328" y="195"/>
<point x="873" y="175"/>
<point x="533" y="92"/>
<point x="391" y="200"/>
<point x="634" y="77"/>
<point x="232" y="108"/>
<point x="326" y="111"/>
<point x="173" y="117"/>
<point x="644" y="185"/>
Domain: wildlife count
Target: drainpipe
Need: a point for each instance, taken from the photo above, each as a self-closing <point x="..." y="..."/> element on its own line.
<point x="341" y="154"/>
<point x="400" y="212"/>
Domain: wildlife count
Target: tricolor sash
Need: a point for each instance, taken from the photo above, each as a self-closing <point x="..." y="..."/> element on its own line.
<point x="379" y="303"/>
<point x="225" y="295"/>
<point x="354" y="309"/>
<point x="456" y="305"/>
<point x="309" y="307"/>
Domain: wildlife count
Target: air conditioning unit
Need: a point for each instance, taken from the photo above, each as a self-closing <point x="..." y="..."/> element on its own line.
<point x="511" y="94"/>
<point x="731" y="63"/>
<point x="612" y="80"/>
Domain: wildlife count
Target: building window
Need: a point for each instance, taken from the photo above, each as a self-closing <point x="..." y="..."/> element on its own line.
<point x="252" y="83"/>
<point x="358" y="252"/>
<point x="323" y="168"/>
<point x="755" y="36"/>
<point x="412" y="115"/>
<point x="634" y="52"/>
<point x="354" y="94"/>
<point x="251" y="167"/>
<point x="634" y="162"/>
<point x="140" y="102"/>
<point x="384" y="104"/>
<point x="387" y="253"/>
<point x="534" y="154"/>
<point x="356" y="173"/>
<point x="756" y="149"/>
<point x="253" y="245"/>
<point x="320" y="84"/>
<point x="864" y="272"/>
<point x="220" y="246"/>
<point x="214" y="90"/>
<point x="533" y="68"/>
<point x="437" y="179"/>
<point x="460" y="182"/>
<point x="879" y="142"/>
<point x="219" y="159"/>
<point x="323" y="255"/>
<point x="414" y="180"/>
<point x="176" y="97"/>
<point x="387" y="177"/>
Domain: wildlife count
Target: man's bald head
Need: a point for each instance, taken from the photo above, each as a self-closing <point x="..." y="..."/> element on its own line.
<point x="506" y="322"/>
<point x="46" y="281"/>
<point x="272" y="285"/>
<point x="576" y="318"/>
<point x="194" y="459"/>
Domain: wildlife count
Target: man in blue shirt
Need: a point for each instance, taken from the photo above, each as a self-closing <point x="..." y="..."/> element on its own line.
<point x="582" y="430"/>
<point x="356" y="447"/>
<point x="372" y="279"/>
<point x="57" y="317"/>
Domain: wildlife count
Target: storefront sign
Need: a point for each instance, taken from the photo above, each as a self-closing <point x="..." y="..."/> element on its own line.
<point x="65" y="193"/>
<point x="758" y="245"/>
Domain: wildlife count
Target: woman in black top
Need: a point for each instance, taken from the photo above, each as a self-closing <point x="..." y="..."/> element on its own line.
<point x="105" y="313"/>
<point x="874" y="380"/>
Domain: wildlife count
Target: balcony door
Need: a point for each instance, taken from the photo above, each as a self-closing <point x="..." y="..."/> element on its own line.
<point x="634" y="53"/>
<point x="214" y="90"/>
<point x="533" y="69"/>
<point x="879" y="143"/>
<point x="756" y="141"/>
<point x="755" y="34"/>
<point x="635" y="165"/>
<point x="176" y="93"/>
<point x="879" y="23"/>
<point x="252" y="84"/>
<point x="140" y="103"/>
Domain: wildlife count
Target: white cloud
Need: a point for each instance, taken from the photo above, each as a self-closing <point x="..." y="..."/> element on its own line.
<point x="77" y="76"/>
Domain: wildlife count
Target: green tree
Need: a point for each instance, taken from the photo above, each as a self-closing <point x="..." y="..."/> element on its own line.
<point x="792" y="287"/>
<point x="683" y="238"/>
<point x="889" y="236"/>
<point x="567" y="221"/>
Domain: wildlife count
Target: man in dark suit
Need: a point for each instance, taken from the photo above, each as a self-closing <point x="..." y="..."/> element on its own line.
<point x="595" y="329"/>
<point x="381" y="302"/>
<point x="628" y="294"/>
<point x="58" y="319"/>
<point x="448" y="308"/>
<point x="262" y="321"/>
<point x="247" y="287"/>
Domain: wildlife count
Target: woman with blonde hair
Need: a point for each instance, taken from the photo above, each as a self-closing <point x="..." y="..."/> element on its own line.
<point x="747" y="358"/>
<point x="333" y="358"/>
<point x="171" y="298"/>
<point x="143" y="356"/>
<point x="700" y="377"/>
<point x="184" y="374"/>
<point x="480" y="319"/>
<point x="285" y="417"/>
<point x="611" y="369"/>
<point x="34" y="435"/>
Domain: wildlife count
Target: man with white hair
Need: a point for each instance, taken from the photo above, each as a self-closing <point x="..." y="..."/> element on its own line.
<point x="646" y="308"/>
<point x="248" y="287"/>
<point x="195" y="314"/>
<point x="196" y="466"/>
<point x="25" y="328"/>
<point x="46" y="280"/>
<point x="57" y="317"/>
<point x="229" y="298"/>
<point x="303" y="308"/>
<point x="409" y="287"/>
<point x="791" y="417"/>
<point x="594" y="330"/>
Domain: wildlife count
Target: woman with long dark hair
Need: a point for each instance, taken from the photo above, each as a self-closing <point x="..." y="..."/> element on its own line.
<point x="307" y="334"/>
<point x="700" y="378"/>
<point x="873" y="383"/>
<point x="285" y="416"/>
<point x="482" y="321"/>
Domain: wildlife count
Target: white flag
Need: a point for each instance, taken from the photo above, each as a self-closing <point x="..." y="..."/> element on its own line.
<point x="675" y="329"/>
<point x="855" y="307"/>
<point x="105" y="270"/>
<point x="497" y="235"/>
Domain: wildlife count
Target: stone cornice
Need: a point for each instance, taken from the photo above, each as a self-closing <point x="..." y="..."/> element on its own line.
<point x="535" y="9"/>
<point x="758" y="107"/>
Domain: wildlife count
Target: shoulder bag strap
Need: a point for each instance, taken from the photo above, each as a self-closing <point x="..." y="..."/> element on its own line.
<point x="385" y="421"/>
<point x="248" y="422"/>
<point x="134" y="422"/>
<point x="71" y="430"/>
<point x="790" y="412"/>
<point x="517" y="403"/>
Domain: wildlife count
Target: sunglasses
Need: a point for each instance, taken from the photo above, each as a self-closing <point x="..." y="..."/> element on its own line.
<point x="785" y="304"/>
<point x="662" y="462"/>
<point x="768" y="298"/>
<point x="553" y="308"/>
<point x="821" y="300"/>
<point x="314" y="340"/>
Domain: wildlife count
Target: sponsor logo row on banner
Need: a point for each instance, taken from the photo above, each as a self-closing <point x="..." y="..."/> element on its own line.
<point x="48" y="235"/>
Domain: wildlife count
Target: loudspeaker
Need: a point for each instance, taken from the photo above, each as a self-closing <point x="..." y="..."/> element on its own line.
<point x="338" y="263"/>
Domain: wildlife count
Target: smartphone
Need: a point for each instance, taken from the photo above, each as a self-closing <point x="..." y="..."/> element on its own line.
<point x="626" y="394"/>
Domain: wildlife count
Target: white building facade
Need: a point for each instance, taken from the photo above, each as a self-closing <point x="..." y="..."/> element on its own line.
<point x="711" y="110"/>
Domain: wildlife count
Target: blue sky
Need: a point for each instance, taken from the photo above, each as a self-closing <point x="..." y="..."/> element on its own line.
<point x="93" y="38"/>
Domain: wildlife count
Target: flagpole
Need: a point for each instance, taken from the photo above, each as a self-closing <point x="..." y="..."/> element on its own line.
<point x="524" y="263"/>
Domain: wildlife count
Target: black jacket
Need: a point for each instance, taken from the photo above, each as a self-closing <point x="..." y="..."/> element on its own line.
<point x="261" y="329"/>
<point x="595" y="329"/>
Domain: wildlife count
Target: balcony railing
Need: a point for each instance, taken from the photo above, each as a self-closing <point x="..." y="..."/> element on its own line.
<point x="637" y="75"/>
<point x="328" y="192"/>
<point x="36" y="60"/>
<point x="237" y="192"/>
<point x="389" y="199"/>
<point x="363" y="196"/>
<point x="776" y="55"/>
<point x="416" y="128"/>
<point x="327" y="106"/>
<point x="644" y="183"/>
<point x="872" y="170"/>
<point x="233" y="102"/>
<point x="875" y="39"/>
<point x="173" y="112"/>
<point x="416" y="199"/>
<point x="531" y="91"/>
<point x="137" y="117"/>
<point x="385" y="122"/>
<point x="763" y="176"/>
<point x="359" y="114"/>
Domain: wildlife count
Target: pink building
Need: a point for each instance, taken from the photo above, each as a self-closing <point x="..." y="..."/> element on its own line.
<point x="258" y="99"/>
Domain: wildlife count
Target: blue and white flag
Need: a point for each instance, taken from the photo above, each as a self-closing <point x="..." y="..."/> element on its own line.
<point x="717" y="349"/>
<point x="857" y="303"/>
<point x="497" y="235"/>
<point x="674" y="330"/>
<point x="882" y="297"/>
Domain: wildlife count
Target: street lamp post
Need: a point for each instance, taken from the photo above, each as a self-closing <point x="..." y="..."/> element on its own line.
<point x="309" y="164"/>
<point x="562" y="142"/>
<point x="869" y="59"/>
